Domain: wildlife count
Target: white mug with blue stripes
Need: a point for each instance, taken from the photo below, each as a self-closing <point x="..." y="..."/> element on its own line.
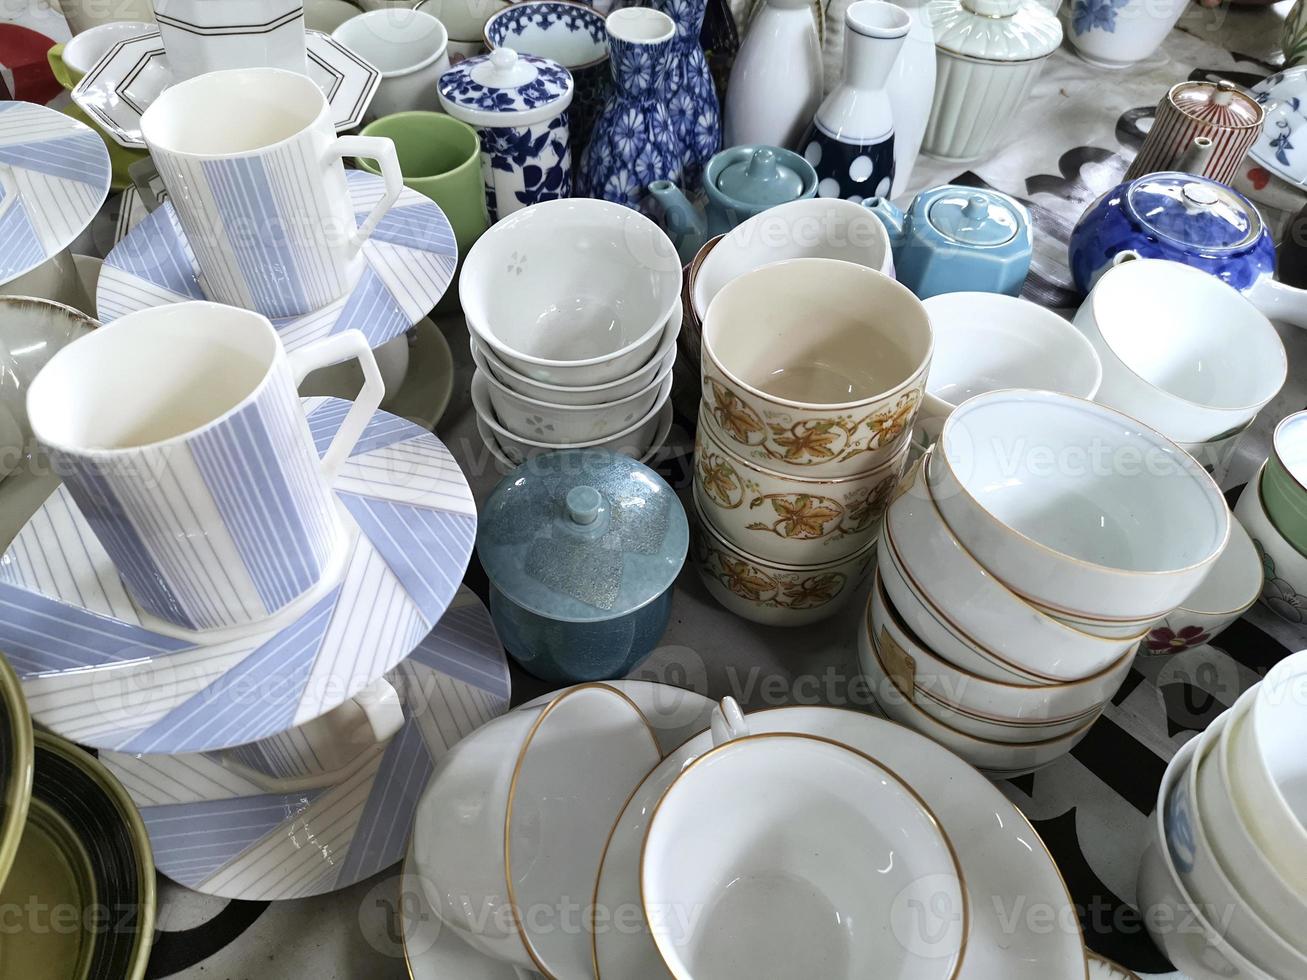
<point x="181" y="437"/>
<point x="255" y="172"/>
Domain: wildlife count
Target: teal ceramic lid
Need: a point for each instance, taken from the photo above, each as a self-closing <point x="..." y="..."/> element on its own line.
<point x="582" y="535"/>
<point x="975" y="217"/>
<point x="760" y="179"/>
<point x="1193" y="210"/>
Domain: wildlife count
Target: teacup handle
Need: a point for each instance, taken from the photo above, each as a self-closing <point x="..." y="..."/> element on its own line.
<point x="382" y="150"/>
<point x="728" y="722"/>
<point x="382" y="707"/>
<point x="333" y="350"/>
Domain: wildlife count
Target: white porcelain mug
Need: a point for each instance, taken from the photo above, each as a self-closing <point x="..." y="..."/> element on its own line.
<point x="180" y="435"/>
<point x="411" y="50"/>
<point x="213" y="35"/>
<point x="254" y="170"/>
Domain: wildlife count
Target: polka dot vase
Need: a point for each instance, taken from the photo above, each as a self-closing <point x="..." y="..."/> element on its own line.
<point x="851" y="141"/>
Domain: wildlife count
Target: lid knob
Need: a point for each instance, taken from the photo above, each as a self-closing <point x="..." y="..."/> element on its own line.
<point x="1224" y="93"/>
<point x="762" y="165"/>
<point x="503" y="59"/>
<point x="977" y="208"/>
<point x="1200" y="194"/>
<point x="583" y="504"/>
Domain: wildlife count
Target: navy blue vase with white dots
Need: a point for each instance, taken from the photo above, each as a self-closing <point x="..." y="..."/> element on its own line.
<point x="849" y="170"/>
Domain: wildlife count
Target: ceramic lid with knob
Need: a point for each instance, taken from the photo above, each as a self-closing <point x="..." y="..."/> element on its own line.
<point x="975" y="217"/>
<point x="505" y="88"/>
<point x="1282" y="145"/>
<point x="1193" y="210"/>
<point x="761" y="179"/>
<point x="582" y="535"/>
<point x="995" y="30"/>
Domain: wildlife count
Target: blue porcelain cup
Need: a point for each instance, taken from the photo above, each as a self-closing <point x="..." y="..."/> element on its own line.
<point x="255" y="171"/>
<point x="180" y="435"/>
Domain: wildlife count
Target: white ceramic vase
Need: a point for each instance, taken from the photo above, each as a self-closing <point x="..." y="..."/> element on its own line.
<point x="776" y="82"/>
<point x="911" y="91"/>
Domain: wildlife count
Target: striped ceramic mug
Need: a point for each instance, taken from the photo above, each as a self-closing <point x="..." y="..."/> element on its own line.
<point x="180" y="435"/>
<point x="254" y="170"/>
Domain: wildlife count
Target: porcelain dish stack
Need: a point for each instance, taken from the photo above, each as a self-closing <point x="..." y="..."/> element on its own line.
<point x="1228" y="843"/>
<point x="1020" y="567"/>
<point x="808" y="408"/>
<point x="573" y="309"/>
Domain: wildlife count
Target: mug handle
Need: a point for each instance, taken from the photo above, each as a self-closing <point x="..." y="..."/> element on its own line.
<point x="349" y="344"/>
<point x="382" y="707"/>
<point x="382" y="150"/>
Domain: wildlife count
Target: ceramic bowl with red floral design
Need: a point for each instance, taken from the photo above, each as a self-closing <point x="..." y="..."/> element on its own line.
<point x="1230" y="589"/>
<point x="816" y="367"/>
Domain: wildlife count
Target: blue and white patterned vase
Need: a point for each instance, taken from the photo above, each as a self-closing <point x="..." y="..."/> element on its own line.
<point x="518" y="104"/>
<point x="690" y="92"/>
<point x="634" y="143"/>
<point x="851" y="141"/>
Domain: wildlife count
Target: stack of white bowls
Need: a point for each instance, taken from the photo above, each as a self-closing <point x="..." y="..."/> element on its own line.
<point x="812" y="374"/>
<point x="573" y="309"/>
<point x="1029" y="552"/>
<point x="1228" y="849"/>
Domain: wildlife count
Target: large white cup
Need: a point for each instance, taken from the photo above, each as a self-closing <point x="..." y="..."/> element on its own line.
<point x="180" y="434"/>
<point x="213" y="35"/>
<point x="254" y="169"/>
<point x="411" y="50"/>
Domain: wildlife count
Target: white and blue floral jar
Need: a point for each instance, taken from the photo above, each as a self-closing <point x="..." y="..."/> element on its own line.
<point x="634" y="143"/>
<point x="691" y="95"/>
<point x="518" y="105"/>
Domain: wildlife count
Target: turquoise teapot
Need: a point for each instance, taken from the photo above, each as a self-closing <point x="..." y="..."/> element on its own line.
<point x="739" y="183"/>
<point x="958" y="239"/>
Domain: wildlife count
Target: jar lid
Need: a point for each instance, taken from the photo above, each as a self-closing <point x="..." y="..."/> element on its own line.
<point x="505" y="88"/>
<point x="995" y="30"/>
<point x="1221" y="104"/>
<point x="582" y="535"/>
<point x="760" y="178"/>
<point x="972" y="216"/>
<point x="1281" y="147"/>
<point x="1193" y="210"/>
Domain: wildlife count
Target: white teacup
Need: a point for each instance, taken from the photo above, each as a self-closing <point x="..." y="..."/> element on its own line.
<point x="254" y="169"/>
<point x="179" y="432"/>
<point x="411" y="50"/>
<point x="786" y="855"/>
<point x="213" y="35"/>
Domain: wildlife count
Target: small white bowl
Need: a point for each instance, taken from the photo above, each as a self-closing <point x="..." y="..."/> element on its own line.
<point x="1207" y="362"/>
<point x="1199" y="950"/>
<point x="1284" y="588"/>
<point x="966" y="614"/>
<point x="587" y="395"/>
<point x="996" y="759"/>
<point x="985" y="341"/>
<point x="1077" y="507"/>
<point x="571" y="292"/>
<point x="1229" y="590"/>
<point x="528" y="418"/>
<point x="822" y="228"/>
<point x="635" y="440"/>
<point x="505" y="465"/>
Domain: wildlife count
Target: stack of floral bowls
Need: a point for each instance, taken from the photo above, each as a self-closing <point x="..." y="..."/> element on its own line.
<point x="1228" y="851"/>
<point x="1027" y="555"/>
<point x="808" y="403"/>
<point x="1273" y="507"/>
<point x="573" y="308"/>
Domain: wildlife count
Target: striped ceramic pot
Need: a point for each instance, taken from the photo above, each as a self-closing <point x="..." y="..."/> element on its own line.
<point x="255" y="171"/>
<point x="179" y="433"/>
<point x="1219" y="111"/>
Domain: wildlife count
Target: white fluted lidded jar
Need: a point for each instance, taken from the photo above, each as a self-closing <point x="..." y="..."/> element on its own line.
<point x="988" y="54"/>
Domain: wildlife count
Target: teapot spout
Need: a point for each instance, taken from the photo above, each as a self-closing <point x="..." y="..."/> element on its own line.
<point x="683" y="223"/>
<point x="891" y="216"/>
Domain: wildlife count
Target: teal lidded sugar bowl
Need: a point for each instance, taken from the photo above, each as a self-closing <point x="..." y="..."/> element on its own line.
<point x="958" y="239"/>
<point x="739" y="183"/>
<point x="582" y="548"/>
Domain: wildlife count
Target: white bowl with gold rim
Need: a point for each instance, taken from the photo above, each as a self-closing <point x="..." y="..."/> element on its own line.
<point x="515" y="817"/>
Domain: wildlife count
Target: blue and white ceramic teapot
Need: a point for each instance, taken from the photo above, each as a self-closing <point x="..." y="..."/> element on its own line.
<point x="1188" y="219"/>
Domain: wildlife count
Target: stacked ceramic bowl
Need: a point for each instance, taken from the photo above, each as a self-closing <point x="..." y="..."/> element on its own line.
<point x="573" y="309"/>
<point x="1273" y="507"/>
<point x="1228" y="851"/>
<point x="812" y="373"/>
<point x="1028" y="554"/>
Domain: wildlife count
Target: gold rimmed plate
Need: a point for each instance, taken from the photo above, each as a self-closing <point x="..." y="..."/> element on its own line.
<point x="15" y="767"/>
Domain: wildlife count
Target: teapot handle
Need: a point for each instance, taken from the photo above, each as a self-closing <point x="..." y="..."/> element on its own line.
<point x="1278" y="301"/>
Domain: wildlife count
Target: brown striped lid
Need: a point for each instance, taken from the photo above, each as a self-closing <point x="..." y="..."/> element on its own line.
<point x="1222" y="104"/>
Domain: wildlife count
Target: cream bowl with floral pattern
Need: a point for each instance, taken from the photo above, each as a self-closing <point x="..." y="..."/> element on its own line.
<point x="772" y="593"/>
<point x="815" y="367"/>
<point x="786" y="518"/>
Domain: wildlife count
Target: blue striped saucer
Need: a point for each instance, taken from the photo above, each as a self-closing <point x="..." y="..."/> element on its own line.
<point x="94" y="673"/>
<point x="410" y="261"/>
<point x="54" y="175"/>
<point x="217" y="833"/>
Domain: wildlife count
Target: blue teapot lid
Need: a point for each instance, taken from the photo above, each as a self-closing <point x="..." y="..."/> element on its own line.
<point x="1193" y="210"/>
<point x="504" y="88"/>
<point x="582" y="535"/>
<point x="973" y="216"/>
<point x="761" y="177"/>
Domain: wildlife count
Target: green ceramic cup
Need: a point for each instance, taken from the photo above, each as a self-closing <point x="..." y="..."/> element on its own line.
<point x="1284" y="495"/>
